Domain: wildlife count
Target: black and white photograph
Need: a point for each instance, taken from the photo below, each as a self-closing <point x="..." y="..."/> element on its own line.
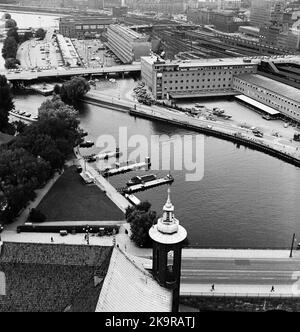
<point x="150" y="159"/>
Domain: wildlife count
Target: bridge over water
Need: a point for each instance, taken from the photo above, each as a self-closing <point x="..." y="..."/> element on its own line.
<point x="30" y="75"/>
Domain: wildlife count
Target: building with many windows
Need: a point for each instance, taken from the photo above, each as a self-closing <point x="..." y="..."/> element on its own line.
<point x="193" y="78"/>
<point x="127" y="44"/>
<point x="279" y="96"/>
<point x="84" y="26"/>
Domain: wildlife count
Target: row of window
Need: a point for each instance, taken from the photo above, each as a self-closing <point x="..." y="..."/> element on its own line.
<point x="192" y="81"/>
<point x="207" y="73"/>
<point x="267" y="101"/>
<point x="198" y="87"/>
<point x="270" y="94"/>
<point x="89" y="27"/>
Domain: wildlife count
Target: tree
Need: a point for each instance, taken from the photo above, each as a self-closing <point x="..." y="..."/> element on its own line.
<point x="19" y="126"/>
<point x="11" y="63"/>
<point x="141" y="219"/>
<point x="21" y="174"/>
<point x="36" y="216"/>
<point x="13" y="32"/>
<point x="74" y="90"/>
<point x="10" y="23"/>
<point x="6" y="104"/>
<point x="10" y="48"/>
<point x="40" y="34"/>
<point x="7" y="16"/>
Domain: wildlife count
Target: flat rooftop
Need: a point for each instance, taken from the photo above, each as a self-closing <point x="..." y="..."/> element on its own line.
<point x="127" y="31"/>
<point x="257" y="104"/>
<point x="273" y="86"/>
<point x="202" y="62"/>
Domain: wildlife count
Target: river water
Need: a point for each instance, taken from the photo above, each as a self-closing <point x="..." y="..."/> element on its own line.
<point x="246" y="199"/>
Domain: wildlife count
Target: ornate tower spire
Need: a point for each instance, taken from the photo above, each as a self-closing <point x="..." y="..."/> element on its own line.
<point x="168" y="236"/>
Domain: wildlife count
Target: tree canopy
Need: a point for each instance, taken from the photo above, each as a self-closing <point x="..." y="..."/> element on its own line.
<point x="31" y="159"/>
<point x="141" y="219"/>
<point x="74" y="90"/>
<point x="10" y="48"/>
<point x="40" y="34"/>
<point x="6" y="104"/>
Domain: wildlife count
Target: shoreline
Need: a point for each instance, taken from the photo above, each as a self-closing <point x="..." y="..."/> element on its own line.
<point x="206" y="127"/>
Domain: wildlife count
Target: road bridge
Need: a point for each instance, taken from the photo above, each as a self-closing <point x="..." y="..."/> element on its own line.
<point x="35" y="75"/>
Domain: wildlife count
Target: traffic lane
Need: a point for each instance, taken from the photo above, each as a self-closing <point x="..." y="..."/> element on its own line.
<point x="238" y="278"/>
<point x="241" y="264"/>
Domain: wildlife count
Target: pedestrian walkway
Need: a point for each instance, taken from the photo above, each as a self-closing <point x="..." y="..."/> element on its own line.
<point x="121" y="202"/>
<point x="40" y="194"/>
<point x="238" y="290"/>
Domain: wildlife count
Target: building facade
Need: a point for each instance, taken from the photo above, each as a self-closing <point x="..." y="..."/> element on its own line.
<point x="260" y="12"/>
<point x="279" y="96"/>
<point x="193" y="78"/>
<point x="223" y="20"/>
<point x="83" y="26"/>
<point x="158" y="6"/>
<point x="127" y="44"/>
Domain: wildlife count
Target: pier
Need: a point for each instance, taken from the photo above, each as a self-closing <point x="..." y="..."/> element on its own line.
<point x="107" y="155"/>
<point x="128" y="168"/>
<point x="148" y="185"/>
<point x="217" y="129"/>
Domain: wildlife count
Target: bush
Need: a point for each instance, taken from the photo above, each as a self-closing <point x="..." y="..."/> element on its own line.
<point x="12" y="63"/>
<point x="36" y="216"/>
<point x="40" y="34"/>
<point x="141" y="219"/>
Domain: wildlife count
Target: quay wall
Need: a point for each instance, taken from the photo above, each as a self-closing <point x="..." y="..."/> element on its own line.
<point x="219" y="134"/>
<point x="127" y="106"/>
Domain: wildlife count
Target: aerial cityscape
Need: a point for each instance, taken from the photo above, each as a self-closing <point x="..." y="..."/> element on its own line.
<point x="149" y="158"/>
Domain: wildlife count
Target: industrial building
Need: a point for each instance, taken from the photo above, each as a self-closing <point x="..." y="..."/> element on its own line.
<point x="223" y="20"/>
<point x="83" y="26"/>
<point x="193" y="78"/>
<point x="158" y="6"/>
<point x="127" y="44"/>
<point x="274" y="94"/>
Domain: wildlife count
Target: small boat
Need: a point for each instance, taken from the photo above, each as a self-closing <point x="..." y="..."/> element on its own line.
<point x="87" y="144"/>
<point x="141" y="179"/>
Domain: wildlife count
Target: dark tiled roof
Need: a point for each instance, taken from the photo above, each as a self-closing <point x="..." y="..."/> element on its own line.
<point x="58" y="254"/>
<point x="52" y="278"/>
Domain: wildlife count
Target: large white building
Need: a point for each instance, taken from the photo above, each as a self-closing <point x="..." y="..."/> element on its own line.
<point x="127" y="44"/>
<point x="277" y="95"/>
<point x="193" y="78"/>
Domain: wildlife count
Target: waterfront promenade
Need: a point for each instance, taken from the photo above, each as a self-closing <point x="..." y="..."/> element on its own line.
<point x="289" y="151"/>
<point x="121" y="202"/>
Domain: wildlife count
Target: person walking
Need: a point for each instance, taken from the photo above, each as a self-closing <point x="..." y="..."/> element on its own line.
<point x="272" y="289"/>
<point x="212" y="287"/>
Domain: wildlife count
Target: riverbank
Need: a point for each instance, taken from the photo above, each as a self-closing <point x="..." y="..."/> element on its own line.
<point x="242" y="136"/>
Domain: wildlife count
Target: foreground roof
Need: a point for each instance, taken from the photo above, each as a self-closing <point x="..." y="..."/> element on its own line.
<point x="128" y="287"/>
<point x="36" y="277"/>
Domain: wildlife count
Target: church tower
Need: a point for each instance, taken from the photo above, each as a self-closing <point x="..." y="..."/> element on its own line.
<point x="168" y="236"/>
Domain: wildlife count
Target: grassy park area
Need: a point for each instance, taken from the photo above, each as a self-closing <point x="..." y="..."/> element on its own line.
<point x="4" y="138"/>
<point x="71" y="200"/>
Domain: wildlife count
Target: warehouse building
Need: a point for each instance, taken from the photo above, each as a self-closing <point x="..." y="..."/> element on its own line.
<point x="193" y="78"/>
<point x="277" y="95"/>
<point x="83" y="26"/>
<point x="127" y="44"/>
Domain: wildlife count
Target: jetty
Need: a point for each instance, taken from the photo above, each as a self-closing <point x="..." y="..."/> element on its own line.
<point x="148" y="185"/>
<point x="107" y="155"/>
<point x="128" y="168"/>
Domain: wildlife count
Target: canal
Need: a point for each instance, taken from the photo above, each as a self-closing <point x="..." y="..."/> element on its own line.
<point x="246" y="199"/>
